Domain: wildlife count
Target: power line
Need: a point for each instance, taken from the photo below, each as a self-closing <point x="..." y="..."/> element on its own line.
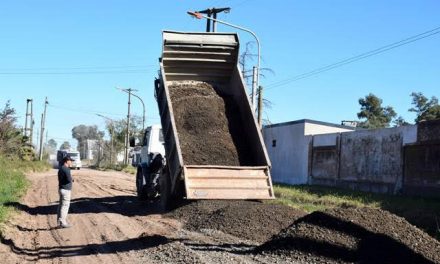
<point x="75" y="72"/>
<point x="88" y="111"/>
<point x="356" y="58"/>
<point x="78" y="68"/>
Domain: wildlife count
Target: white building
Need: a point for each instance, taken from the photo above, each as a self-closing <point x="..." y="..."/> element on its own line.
<point x="288" y="147"/>
<point x="90" y="148"/>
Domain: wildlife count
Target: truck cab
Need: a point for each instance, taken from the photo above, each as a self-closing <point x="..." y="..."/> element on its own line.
<point x="76" y="163"/>
<point x="152" y="159"/>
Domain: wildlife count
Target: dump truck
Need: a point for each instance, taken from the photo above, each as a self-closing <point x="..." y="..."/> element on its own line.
<point x="213" y="144"/>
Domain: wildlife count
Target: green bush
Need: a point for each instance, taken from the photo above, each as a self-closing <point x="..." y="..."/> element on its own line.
<point x="13" y="182"/>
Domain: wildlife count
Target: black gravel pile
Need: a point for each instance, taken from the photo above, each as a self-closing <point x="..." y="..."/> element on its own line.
<point x="244" y="219"/>
<point x="353" y="235"/>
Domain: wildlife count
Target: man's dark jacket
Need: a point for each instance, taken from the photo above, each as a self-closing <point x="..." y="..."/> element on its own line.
<point x="64" y="178"/>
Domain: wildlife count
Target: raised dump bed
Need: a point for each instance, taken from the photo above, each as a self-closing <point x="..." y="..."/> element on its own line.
<point x="214" y="148"/>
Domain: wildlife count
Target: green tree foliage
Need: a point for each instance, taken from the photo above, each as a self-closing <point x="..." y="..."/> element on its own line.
<point x="12" y="141"/>
<point x="375" y="115"/>
<point x="65" y="145"/>
<point x="426" y="109"/>
<point x="51" y="146"/>
<point x="400" y="121"/>
<point x="82" y="133"/>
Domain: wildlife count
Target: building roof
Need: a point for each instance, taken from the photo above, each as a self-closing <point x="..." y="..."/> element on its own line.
<point x="310" y="121"/>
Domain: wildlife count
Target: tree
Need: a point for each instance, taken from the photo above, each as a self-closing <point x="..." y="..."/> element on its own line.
<point x="247" y="73"/>
<point x="375" y="114"/>
<point x="82" y="133"/>
<point x="51" y="146"/>
<point x="425" y="109"/>
<point x="400" y="121"/>
<point x="65" y="145"/>
<point x="12" y="141"/>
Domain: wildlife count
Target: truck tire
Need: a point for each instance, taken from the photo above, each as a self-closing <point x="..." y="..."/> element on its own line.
<point x="165" y="190"/>
<point x="140" y="183"/>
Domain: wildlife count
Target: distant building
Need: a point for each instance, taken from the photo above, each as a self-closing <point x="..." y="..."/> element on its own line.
<point x="90" y="149"/>
<point x="288" y="147"/>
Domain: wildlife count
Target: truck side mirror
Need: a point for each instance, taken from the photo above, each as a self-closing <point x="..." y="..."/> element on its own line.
<point x="132" y="142"/>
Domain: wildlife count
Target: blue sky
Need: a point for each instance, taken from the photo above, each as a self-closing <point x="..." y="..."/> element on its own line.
<point x="77" y="52"/>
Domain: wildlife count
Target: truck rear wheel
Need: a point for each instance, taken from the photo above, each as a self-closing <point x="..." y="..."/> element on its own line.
<point x="140" y="183"/>
<point x="165" y="190"/>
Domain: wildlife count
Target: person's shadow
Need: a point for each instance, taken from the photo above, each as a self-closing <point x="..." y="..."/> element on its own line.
<point x="140" y="243"/>
<point x="124" y="205"/>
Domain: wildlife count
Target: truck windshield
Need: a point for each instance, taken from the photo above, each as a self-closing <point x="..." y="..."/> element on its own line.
<point x="73" y="154"/>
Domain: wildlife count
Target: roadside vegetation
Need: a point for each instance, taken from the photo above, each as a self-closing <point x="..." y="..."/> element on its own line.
<point x="16" y="158"/>
<point x="117" y="167"/>
<point x="421" y="212"/>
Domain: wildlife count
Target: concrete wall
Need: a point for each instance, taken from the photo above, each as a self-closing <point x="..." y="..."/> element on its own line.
<point x="290" y="156"/>
<point x="422" y="161"/>
<point x="368" y="160"/>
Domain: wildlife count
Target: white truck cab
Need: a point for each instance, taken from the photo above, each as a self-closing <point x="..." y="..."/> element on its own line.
<point x="76" y="163"/>
<point x="152" y="143"/>
<point x="150" y="163"/>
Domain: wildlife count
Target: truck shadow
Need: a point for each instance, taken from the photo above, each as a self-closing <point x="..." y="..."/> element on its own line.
<point x="124" y="205"/>
<point x="139" y="243"/>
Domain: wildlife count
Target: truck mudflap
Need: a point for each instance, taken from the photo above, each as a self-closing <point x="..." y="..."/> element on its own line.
<point x="227" y="182"/>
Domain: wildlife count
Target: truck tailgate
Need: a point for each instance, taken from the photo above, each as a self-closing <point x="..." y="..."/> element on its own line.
<point x="227" y="182"/>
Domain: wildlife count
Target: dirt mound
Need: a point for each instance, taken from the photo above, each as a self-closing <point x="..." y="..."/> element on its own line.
<point x="360" y="235"/>
<point x="245" y="219"/>
<point x="208" y="125"/>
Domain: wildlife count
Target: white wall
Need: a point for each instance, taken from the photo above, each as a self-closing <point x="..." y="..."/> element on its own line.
<point x="287" y="156"/>
<point x="290" y="158"/>
<point x="316" y="129"/>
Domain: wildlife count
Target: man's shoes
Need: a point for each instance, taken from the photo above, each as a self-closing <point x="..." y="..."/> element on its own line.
<point x="66" y="225"/>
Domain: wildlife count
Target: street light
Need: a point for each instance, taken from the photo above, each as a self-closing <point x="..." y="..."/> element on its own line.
<point x="140" y="99"/>
<point x="255" y="79"/>
<point x="112" y="132"/>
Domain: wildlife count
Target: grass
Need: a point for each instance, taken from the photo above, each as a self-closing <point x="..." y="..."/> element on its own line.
<point x="13" y="183"/>
<point x="119" y="167"/>
<point x="421" y="212"/>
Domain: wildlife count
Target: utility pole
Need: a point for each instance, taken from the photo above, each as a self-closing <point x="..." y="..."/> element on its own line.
<point x="29" y="122"/>
<point x="31" y="132"/>
<point x="112" y="136"/>
<point x="212" y="13"/>
<point x="127" y="138"/>
<point x="260" y="105"/>
<point x="43" y="121"/>
<point x="256" y="69"/>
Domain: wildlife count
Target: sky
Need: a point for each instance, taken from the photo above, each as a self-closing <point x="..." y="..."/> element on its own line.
<point x="77" y="52"/>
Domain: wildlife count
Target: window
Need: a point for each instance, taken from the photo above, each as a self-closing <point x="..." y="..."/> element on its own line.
<point x="161" y="136"/>
<point x="146" y="137"/>
<point x="274" y="143"/>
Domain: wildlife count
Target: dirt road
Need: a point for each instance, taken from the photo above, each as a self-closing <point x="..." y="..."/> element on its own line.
<point x="109" y="226"/>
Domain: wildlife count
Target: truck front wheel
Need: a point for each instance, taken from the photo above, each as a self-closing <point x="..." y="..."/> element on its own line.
<point x="140" y="183"/>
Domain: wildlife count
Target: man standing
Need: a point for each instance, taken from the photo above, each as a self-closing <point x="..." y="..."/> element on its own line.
<point x="64" y="188"/>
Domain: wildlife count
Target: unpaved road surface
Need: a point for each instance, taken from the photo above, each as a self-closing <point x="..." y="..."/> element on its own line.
<point x="110" y="226"/>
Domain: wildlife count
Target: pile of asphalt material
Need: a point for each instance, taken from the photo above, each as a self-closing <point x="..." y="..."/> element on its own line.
<point x="244" y="219"/>
<point x="208" y="125"/>
<point x="353" y="235"/>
